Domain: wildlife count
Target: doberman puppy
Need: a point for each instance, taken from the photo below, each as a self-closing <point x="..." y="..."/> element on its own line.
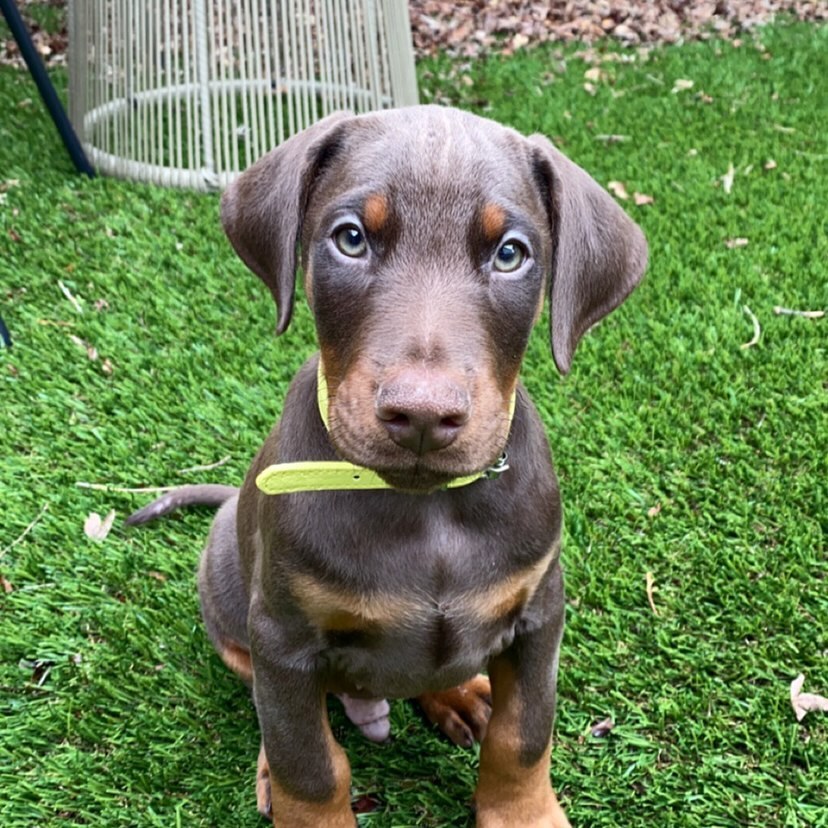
<point x="429" y="238"/>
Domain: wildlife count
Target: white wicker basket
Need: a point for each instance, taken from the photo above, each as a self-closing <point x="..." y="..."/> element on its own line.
<point x="189" y="93"/>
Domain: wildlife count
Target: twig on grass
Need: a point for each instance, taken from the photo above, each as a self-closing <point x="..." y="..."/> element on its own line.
<point x="68" y="294"/>
<point x="650" y="591"/>
<point x="106" y="487"/>
<point x="206" y="467"/>
<point x="757" y="330"/>
<point x="26" y="531"/>
<point x="780" y="311"/>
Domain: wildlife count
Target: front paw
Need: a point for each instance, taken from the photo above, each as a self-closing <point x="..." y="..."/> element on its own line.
<point x="462" y="712"/>
<point x="293" y="813"/>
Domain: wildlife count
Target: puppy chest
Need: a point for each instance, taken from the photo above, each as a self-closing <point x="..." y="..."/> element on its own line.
<point x="404" y="640"/>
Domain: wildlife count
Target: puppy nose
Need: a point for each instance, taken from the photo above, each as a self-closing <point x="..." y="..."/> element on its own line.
<point x="422" y="411"/>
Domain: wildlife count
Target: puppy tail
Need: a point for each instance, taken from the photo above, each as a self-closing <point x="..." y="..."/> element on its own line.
<point x="205" y="494"/>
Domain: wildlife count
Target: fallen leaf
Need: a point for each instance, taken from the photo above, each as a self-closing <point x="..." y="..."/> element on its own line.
<point x="590" y="88"/>
<point x="757" y="328"/>
<point x="651" y="588"/>
<point x="7" y="587"/>
<point x="625" y="32"/>
<point x="68" y="294"/>
<point x="654" y="510"/>
<point x="770" y="164"/>
<point x="681" y="85"/>
<point x="602" y="729"/>
<point x="727" y="178"/>
<point x="97" y="528"/>
<point x="805" y="703"/>
<point x="595" y="74"/>
<point x="618" y="189"/>
<point x="737" y="242"/>
<point x="642" y="198"/>
<point x="365" y="804"/>
<point x="159" y="576"/>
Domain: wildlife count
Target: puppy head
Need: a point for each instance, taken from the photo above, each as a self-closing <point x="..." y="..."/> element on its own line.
<point x="429" y="238"/>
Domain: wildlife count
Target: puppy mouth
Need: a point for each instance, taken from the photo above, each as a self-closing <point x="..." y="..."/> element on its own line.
<point x="419" y="431"/>
<point x="408" y="471"/>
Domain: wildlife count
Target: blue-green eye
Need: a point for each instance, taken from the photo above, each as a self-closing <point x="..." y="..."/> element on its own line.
<point x="350" y="241"/>
<point x="510" y="256"/>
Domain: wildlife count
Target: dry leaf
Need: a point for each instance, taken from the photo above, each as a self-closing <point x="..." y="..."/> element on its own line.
<point x="98" y="528"/>
<point x="651" y="588"/>
<point x="602" y="729"/>
<point x="618" y="189"/>
<point x="365" y="804"/>
<point x="805" y="703"/>
<point x="757" y="328"/>
<point x="7" y="587"/>
<point x="642" y="198"/>
<point x="590" y="88"/>
<point x="737" y="242"/>
<point x="159" y="576"/>
<point x="770" y="164"/>
<point x="681" y="84"/>
<point x="654" y="510"/>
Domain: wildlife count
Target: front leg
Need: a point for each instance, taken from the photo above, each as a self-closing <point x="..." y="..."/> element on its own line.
<point x="514" y="786"/>
<point x="308" y="772"/>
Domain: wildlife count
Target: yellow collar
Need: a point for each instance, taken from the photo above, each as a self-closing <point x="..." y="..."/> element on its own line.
<point x="338" y="475"/>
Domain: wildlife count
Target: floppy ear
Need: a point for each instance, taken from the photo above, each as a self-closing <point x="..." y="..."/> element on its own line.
<point x="262" y="210"/>
<point x="599" y="253"/>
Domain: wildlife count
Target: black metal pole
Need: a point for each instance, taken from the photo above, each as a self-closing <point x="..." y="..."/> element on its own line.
<point x="45" y="87"/>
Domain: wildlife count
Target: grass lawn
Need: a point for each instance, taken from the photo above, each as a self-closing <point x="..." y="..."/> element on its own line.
<point x="681" y="453"/>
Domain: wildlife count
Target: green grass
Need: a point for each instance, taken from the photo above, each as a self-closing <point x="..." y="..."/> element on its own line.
<point x="113" y="708"/>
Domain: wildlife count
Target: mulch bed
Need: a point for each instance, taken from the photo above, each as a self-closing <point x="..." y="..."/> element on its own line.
<point x="484" y="26"/>
<point x="479" y="27"/>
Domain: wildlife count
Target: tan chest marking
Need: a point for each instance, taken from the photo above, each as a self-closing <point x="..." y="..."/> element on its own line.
<point x="511" y="593"/>
<point x="337" y="610"/>
<point x="330" y="608"/>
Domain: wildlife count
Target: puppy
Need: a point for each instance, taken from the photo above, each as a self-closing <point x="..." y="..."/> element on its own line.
<point x="428" y="239"/>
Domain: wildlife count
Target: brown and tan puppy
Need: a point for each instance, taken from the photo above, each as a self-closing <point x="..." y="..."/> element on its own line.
<point x="429" y="238"/>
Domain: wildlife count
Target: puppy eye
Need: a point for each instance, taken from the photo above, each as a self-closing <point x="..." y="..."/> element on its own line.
<point x="350" y="241"/>
<point x="510" y="256"/>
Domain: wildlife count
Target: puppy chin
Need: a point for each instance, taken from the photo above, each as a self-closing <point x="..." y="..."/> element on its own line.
<point x="408" y="472"/>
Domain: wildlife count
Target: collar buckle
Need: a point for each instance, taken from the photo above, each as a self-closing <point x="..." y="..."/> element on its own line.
<point x="498" y="467"/>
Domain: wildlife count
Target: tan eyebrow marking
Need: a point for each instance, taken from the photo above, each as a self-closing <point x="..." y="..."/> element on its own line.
<point x="493" y="220"/>
<point x="375" y="212"/>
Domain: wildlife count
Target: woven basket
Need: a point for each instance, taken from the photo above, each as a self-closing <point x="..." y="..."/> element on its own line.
<point x="188" y="93"/>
